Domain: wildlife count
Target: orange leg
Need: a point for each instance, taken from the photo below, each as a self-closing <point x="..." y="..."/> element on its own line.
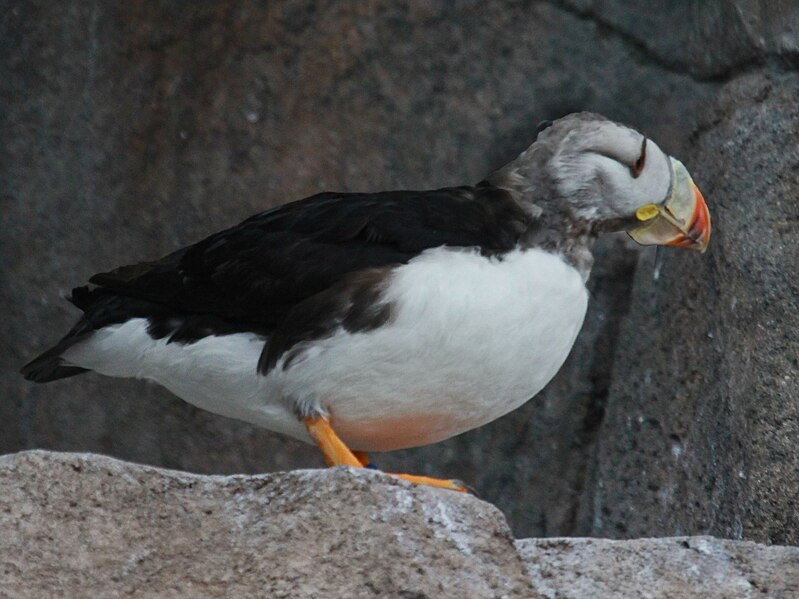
<point x="333" y="448"/>
<point x="363" y="457"/>
<point x="338" y="454"/>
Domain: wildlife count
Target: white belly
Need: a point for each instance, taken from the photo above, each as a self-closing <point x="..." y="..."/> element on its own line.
<point x="471" y="339"/>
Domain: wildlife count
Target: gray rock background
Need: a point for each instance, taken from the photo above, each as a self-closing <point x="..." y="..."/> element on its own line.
<point x="708" y="439"/>
<point x="130" y="129"/>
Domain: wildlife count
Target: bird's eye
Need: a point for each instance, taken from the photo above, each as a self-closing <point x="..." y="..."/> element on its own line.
<point x="543" y="125"/>
<point x="638" y="165"/>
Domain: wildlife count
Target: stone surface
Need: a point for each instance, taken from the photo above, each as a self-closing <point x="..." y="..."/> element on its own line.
<point x="82" y="525"/>
<point x="670" y="568"/>
<point x="710" y="40"/>
<point x="129" y="129"/>
<point x="704" y="439"/>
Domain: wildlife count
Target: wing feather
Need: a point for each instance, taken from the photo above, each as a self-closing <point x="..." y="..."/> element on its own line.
<point x="258" y="270"/>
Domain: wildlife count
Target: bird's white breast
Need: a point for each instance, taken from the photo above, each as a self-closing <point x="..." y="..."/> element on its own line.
<point x="470" y="339"/>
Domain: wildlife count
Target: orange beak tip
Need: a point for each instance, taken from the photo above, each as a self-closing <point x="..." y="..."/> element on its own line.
<point x="698" y="235"/>
<point x="701" y="223"/>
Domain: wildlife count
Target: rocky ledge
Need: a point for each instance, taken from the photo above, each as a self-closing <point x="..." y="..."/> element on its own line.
<point x="87" y="525"/>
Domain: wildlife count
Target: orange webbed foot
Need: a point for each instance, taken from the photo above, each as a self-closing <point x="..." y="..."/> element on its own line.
<point x="439" y="483"/>
<point x="337" y="453"/>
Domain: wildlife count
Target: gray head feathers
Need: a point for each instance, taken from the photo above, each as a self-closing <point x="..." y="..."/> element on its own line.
<point x="586" y="170"/>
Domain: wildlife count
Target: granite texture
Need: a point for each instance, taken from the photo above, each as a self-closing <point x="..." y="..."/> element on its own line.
<point x="664" y="568"/>
<point x="84" y="525"/>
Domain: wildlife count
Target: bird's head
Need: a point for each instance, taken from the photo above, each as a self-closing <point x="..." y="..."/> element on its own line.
<point x="608" y="177"/>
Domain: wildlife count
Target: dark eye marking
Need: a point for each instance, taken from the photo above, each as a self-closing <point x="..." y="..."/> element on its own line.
<point x="542" y="125"/>
<point x="638" y="165"/>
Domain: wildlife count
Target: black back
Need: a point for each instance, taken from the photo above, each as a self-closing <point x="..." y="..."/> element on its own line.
<point x="258" y="270"/>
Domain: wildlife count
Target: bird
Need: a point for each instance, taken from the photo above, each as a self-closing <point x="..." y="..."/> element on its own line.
<point x="372" y="322"/>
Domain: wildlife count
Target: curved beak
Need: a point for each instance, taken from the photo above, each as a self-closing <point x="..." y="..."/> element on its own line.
<point x="683" y="220"/>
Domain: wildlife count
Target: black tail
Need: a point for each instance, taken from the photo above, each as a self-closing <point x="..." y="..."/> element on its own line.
<point x="50" y="365"/>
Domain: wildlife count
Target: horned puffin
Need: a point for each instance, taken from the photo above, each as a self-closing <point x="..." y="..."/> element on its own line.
<point x="379" y="321"/>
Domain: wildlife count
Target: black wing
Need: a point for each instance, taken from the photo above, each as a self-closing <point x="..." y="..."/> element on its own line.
<point x="260" y="269"/>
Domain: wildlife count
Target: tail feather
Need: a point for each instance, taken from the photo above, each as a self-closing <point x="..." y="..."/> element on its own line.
<point x="50" y="366"/>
